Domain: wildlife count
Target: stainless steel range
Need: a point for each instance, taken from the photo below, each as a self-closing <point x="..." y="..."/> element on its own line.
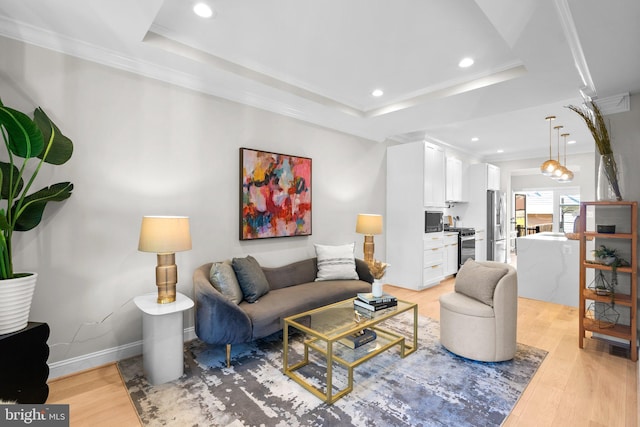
<point x="466" y="243"/>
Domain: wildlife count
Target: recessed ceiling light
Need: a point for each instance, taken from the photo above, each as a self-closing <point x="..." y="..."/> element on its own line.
<point x="377" y="93"/>
<point x="466" y="62"/>
<point x="475" y="139"/>
<point x="203" y="10"/>
<point x="500" y="150"/>
<point x="573" y="141"/>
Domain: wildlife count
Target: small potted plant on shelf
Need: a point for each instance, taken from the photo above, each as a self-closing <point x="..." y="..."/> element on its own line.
<point x="29" y="143"/>
<point x="610" y="257"/>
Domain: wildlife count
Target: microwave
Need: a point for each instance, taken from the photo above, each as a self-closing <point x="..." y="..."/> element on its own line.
<point x="433" y="222"/>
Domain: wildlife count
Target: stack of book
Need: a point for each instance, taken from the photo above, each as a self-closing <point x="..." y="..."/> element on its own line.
<point x="360" y="338"/>
<point x="368" y="302"/>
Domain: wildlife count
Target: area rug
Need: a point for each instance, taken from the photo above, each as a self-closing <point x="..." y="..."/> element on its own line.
<point x="431" y="387"/>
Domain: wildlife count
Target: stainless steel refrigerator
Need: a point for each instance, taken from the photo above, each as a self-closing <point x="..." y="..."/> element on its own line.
<point x="496" y="226"/>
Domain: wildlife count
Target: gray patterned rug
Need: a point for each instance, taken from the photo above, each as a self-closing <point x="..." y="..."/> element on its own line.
<point x="431" y="387"/>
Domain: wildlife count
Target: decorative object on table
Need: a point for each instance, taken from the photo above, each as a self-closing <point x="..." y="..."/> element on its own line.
<point x="374" y="306"/>
<point x="165" y="235"/>
<point x="440" y="378"/>
<point x="359" y="339"/>
<point x="25" y="139"/>
<point x="606" y="229"/>
<point x="550" y="165"/>
<point x="371" y="298"/>
<point x="275" y="195"/>
<point x="378" y="269"/>
<point x="369" y="225"/>
<point x="610" y="168"/>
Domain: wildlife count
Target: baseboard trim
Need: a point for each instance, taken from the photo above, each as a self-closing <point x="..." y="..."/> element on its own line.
<point x="103" y="357"/>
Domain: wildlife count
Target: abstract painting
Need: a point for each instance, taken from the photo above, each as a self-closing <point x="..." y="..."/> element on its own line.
<point x="275" y="195"/>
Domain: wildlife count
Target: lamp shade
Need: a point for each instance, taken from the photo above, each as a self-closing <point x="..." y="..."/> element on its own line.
<point x="369" y="224"/>
<point x="164" y="234"/>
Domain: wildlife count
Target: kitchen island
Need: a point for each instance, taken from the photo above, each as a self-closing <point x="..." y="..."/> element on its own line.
<point x="548" y="268"/>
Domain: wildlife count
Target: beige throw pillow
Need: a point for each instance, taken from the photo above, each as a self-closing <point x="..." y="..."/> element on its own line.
<point x="479" y="281"/>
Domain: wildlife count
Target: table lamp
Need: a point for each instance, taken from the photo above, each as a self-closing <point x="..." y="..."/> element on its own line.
<point x="165" y="235"/>
<point x="369" y="224"/>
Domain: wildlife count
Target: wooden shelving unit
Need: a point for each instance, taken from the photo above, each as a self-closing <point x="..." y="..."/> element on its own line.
<point x="587" y="296"/>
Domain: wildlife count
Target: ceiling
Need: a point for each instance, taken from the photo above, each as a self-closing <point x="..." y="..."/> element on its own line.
<point x="319" y="61"/>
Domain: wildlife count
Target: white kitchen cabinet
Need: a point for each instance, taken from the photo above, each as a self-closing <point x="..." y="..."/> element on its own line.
<point x="409" y="169"/>
<point x="481" y="245"/>
<point x="450" y="253"/>
<point x="453" y="180"/>
<point x="434" y="176"/>
<point x="433" y="259"/>
<point x="493" y="177"/>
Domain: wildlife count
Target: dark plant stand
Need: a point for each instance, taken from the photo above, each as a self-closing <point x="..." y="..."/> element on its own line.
<point x="23" y="364"/>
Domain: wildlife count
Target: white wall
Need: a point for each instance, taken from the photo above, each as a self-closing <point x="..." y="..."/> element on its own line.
<point x="143" y="147"/>
<point x="624" y="129"/>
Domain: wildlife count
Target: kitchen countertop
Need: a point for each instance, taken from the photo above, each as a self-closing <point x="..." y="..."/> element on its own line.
<point x="558" y="237"/>
<point x="548" y="268"/>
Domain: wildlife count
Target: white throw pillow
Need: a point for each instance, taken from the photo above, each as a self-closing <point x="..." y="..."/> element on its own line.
<point x="336" y="262"/>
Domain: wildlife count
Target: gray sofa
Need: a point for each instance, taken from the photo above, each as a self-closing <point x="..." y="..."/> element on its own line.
<point x="292" y="290"/>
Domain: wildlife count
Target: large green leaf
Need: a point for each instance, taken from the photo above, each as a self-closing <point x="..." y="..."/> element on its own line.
<point x="31" y="211"/>
<point x="5" y="169"/>
<point x="25" y="139"/>
<point x="61" y="147"/>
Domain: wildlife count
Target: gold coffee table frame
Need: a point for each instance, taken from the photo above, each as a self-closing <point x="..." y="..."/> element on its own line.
<point x="325" y="326"/>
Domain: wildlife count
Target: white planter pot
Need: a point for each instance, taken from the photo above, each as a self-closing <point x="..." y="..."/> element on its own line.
<point x="15" y="302"/>
<point x="376" y="288"/>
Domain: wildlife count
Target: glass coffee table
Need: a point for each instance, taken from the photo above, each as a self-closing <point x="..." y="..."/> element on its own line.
<point x="323" y="329"/>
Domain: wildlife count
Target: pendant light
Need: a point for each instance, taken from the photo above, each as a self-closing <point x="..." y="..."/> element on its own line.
<point x="559" y="170"/>
<point x="567" y="176"/>
<point x="550" y="165"/>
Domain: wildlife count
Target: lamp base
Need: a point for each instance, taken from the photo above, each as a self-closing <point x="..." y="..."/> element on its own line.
<point x="166" y="278"/>
<point x="368" y="248"/>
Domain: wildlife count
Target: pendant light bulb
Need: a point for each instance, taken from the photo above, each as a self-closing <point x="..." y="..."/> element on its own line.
<point x="550" y="165"/>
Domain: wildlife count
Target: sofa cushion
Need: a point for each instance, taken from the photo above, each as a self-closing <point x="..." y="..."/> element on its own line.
<point x="223" y="278"/>
<point x="462" y="304"/>
<point x="336" y="262"/>
<point x="479" y="281"/>
<point x="291" y="274"/>
<point x="267" y="315"/>
<point x="251" y="278"/>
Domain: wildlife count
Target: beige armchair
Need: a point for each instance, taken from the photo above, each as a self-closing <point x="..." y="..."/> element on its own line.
<point x="479" y="320"/>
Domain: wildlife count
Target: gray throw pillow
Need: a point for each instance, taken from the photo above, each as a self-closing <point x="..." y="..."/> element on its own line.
<point x="336" y="262"/>
<point x="479" y="281"/>
<point x="223" y="278"/>
<point x="251" y="278"/>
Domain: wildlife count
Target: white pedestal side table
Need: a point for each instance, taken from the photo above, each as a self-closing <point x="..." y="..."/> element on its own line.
<point x="163" y="336"/>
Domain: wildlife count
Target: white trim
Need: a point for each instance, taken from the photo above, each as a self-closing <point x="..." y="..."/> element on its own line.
<point x="103" y="357"/>
<point x="571" y="34"/>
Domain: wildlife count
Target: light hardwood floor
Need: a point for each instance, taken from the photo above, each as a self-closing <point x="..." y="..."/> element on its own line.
<point x="573" y="387"/>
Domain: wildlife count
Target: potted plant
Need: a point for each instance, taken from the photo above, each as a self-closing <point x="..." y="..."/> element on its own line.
<point x="29" y="143"/>
<point x="610" y="257"/>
